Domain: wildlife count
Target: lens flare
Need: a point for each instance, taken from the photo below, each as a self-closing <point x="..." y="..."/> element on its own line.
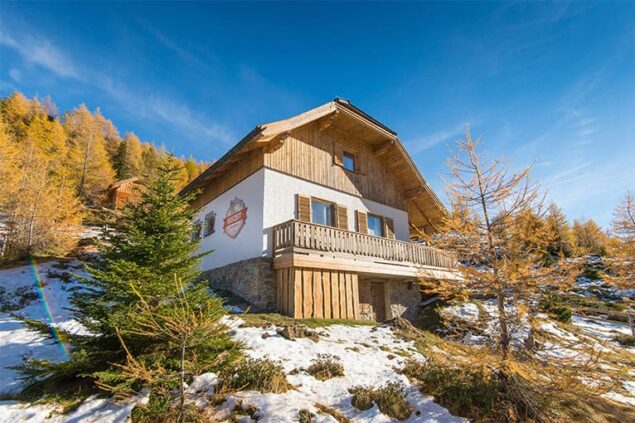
<point x="52" y="329"/>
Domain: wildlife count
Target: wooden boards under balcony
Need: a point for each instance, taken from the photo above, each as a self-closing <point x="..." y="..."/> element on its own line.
<point x="306" y="293"/>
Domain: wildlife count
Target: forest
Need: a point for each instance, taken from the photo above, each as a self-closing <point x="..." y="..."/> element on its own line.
<point x="539" y="328"/>
<point x="56" y="167"/>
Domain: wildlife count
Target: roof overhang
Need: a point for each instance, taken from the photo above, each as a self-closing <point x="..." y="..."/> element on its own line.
<point x="425" y="209"/>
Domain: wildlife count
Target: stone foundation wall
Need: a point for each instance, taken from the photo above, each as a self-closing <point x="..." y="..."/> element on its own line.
<point x="404" y="300"/>
<point x="253" y="280"/>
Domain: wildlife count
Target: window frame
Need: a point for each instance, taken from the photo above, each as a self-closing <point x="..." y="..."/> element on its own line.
<point x="197" y="231"/>
<point x="207" y="230"/>
<point x="353" y="159"/>
<point x="382" y="229"/>
<point x="327" y="203"/>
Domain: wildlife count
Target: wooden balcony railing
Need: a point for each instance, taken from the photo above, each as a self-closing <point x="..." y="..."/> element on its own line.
<point x="295" y="234"/>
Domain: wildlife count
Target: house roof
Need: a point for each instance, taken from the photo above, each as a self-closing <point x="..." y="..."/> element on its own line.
<point x="123" y="182"/>
<point x="424" y="207"/>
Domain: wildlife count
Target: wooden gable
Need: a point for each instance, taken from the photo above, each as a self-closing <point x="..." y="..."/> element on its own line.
<point x="308" y="146"/>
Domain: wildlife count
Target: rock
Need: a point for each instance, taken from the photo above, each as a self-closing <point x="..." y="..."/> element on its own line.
<point x="292" y="332"/>
<point x="403" y="325"/>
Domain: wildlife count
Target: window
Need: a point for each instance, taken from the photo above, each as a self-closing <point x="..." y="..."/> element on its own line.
<point x="375" y="225"/>
<point x="321" y="212"/>
<point x="348" y="161"/>
<point x="210" y="222"/>
<point x="196" y="230"/>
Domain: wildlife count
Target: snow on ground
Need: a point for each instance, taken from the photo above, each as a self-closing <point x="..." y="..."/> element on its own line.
<point x="16" y="342"/>
<point x="601" y="328"/>
<point x="465" y="311"/>
<point x="93" y="410"/>
<point x="370" y="356"/>
<point x="487" y="315"/>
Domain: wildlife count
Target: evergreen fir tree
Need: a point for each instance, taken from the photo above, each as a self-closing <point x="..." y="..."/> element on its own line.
<point x="135" y="276"/>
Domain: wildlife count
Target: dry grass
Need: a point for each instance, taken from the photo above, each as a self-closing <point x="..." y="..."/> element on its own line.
<point x="326" y="366"/>
<point x="262" y="375"/>
<point x="332" y="412"/>
<point x="390" y="399"/>
<point x="268" y="319"/>
<point x="475" y="383"/>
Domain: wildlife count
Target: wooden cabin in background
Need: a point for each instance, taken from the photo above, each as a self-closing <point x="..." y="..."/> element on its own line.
<point x="123" y="192"/>
<point x="314" y="216"/>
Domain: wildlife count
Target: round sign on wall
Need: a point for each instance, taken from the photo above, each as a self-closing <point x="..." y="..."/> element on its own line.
<point x="235" y="218"/>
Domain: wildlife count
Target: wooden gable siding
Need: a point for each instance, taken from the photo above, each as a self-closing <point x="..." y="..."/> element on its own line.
<point x="230" y="176"/>
<point x="307" y="153"/>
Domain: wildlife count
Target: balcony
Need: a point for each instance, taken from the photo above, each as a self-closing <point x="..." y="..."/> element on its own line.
<point x="302" y="244"/>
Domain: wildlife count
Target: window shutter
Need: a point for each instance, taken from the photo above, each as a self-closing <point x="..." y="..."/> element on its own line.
<point x="362" y="222"/>
<point x="338" y="154"/>
<point x="341" y="217"/>
<point x="304" y="208"/>
<point x="359" y="164"/>
<point x="389" y="228"/>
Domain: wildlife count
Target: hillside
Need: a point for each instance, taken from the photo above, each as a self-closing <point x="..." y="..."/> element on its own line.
<point x="371" y="355"/>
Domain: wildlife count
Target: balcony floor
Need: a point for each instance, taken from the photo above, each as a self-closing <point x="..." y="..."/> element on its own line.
<point x="362" y="265"/>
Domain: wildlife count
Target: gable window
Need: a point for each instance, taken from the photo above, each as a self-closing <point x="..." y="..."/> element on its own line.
<point x="322" y="212"/>
<point x="348" y="161"/>
<point x="375" y="225"/>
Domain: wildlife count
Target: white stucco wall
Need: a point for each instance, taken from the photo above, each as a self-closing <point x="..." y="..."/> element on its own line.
<point x="280" y="205"/>
<point x="249" y="242"/>
<point x="270" y="198"/>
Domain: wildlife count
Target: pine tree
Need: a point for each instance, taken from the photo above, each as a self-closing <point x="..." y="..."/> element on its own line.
<point x="43" y="214"/>
<point x="135" y="277"/>
<point x="497" y="227"/>
<point x="150" y="158"/>
<point x="562" y="238"/>
<point x="16" y="110"/>
<point x="589" y="238"/>
<point x="88" y="158"/>
<point x="192" y="168"/>
<point x="8" y="166"/>
<point x="187" y="323"/>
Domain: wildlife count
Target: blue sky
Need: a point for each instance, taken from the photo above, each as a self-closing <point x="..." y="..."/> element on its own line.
<point x="552" y="83"/>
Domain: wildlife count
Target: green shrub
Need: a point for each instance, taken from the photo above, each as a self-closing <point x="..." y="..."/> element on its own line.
<point x="464" y="391"/>
<point x="390" y="399"/>
<point x="591" y="272"/>
<point x="326" y="366"/>
<point x="305" y="416"/>
<point x="258" y="374"/>
<point x="555" y="306"/>
<point x="626" y="340"/>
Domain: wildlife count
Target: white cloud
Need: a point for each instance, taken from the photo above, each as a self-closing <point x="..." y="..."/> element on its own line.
<point x="44" y="53"/>
<point x="428" y="141"/>
<point x="15" y="75"/>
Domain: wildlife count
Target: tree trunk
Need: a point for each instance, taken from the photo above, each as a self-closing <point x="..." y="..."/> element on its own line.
<point x="86" y="156"/>
<point x="502" y="319"/>
<point x="181" y="417"/>
<point x="33" y="216"/>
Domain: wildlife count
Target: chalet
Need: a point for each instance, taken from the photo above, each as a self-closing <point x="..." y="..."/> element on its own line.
<point x="122" y="192"/>
<point x="314" y="216"/>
